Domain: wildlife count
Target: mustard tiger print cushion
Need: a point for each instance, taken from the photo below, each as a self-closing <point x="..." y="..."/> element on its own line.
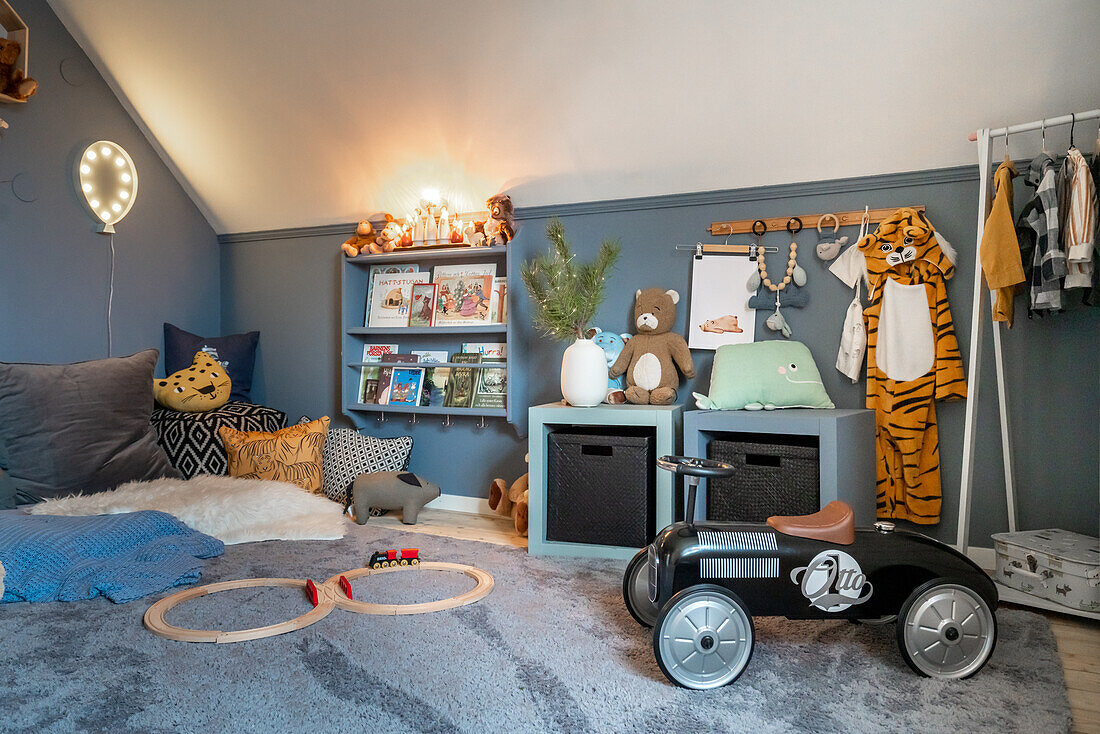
<point x="292" y="455"/>
<point x="205" y="385"/>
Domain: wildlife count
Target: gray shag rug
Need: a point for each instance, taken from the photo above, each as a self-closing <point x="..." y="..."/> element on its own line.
<point x="550" y="649"/>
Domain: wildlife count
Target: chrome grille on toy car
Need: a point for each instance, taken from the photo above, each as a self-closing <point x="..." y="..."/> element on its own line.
<point x="739" y="568"/>
<point x="738" y="540"/>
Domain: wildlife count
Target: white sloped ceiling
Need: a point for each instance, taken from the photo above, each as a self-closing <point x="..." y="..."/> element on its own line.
<point x="284" y="114"/>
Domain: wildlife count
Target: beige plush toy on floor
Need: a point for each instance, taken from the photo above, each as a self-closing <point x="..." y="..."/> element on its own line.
<point x="511" y="501"/>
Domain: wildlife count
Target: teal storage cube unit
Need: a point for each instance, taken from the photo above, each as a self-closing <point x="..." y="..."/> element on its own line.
<point x="845" y="447"/>
<point x="664" y="421"/>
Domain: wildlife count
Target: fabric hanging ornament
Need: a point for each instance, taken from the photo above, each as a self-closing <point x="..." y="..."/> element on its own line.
<point x="776" y="322"/>
<point x="828" y="244"/>
<point x="853" y="336"/>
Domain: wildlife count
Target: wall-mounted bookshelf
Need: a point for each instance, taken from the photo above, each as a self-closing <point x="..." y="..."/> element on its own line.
<point x="354" y="281"/>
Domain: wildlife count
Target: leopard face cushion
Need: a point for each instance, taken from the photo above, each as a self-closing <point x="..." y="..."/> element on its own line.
<point x="205" y="385"/>
<point x="293" y="455"/>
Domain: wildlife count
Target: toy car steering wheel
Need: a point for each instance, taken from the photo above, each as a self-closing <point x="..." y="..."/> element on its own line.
<point x="693" y="467"/>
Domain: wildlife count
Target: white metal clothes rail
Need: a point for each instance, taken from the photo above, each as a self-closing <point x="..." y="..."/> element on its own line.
<point x="985" y="138"/>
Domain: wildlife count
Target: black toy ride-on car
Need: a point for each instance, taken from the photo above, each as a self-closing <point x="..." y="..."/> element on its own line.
<point x="699" y="584"/>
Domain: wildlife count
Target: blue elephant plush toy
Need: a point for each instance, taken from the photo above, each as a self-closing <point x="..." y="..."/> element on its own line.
<point x="612" y="345"/>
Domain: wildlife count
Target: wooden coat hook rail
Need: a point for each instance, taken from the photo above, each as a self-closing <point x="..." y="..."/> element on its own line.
<point x="809" y="221"/>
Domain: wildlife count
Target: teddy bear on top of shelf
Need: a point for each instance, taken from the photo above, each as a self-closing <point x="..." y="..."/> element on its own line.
<point x="651" y="357"/>
<point x="500" y="227"/>
<point x="12" y="81"/>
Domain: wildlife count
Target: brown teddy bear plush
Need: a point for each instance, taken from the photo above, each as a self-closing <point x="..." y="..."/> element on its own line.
<point x="500" y="228"/>
<point x="12" y="81"/>
<point x="651" y="357"/>
<point x="511" y="501"/>
<point x="361" y="240"/>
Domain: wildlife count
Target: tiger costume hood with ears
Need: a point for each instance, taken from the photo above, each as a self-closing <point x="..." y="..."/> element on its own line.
<point x="904" y="240"/>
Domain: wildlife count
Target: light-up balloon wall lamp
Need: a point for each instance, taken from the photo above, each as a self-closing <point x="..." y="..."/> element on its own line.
<point x="107" y="181"/>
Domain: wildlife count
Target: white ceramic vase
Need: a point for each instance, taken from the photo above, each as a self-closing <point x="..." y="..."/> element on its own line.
<point x="584" y="374"/>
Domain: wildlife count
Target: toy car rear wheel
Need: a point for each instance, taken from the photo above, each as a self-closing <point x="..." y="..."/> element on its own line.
<point x="636" y="590"/>
<point x="703" y="637"/>
<point x="946" y="630"/>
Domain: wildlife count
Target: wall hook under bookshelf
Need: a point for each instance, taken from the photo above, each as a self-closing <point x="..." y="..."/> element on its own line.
<point x="381" y="417"/>
<point x="446" y="420"/>
<point x="482" y="423"/>
<point x="412" y="419"/>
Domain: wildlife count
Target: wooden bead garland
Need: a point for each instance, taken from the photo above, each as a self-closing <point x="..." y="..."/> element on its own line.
<point x="792" y="263"/>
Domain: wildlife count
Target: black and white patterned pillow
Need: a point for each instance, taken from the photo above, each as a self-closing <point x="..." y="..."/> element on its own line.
<point x="348" y="454"/>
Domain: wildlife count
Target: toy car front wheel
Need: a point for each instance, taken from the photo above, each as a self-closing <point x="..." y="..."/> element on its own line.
<point x="636" y="590"/>
<point x="946" y="630"/>
<point x="703" y="637"/>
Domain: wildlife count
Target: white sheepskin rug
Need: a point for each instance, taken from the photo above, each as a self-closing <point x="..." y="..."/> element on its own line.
<point x="230" y="509"/>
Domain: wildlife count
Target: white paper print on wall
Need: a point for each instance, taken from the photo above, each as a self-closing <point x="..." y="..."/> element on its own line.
<point x="719" y="311"/>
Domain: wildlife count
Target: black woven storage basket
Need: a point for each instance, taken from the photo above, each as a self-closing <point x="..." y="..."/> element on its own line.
<point x="772" y="478"/>
<point x="601" y="486"/>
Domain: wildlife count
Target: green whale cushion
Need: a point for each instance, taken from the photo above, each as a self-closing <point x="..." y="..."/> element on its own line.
<point x="764" y="376"/>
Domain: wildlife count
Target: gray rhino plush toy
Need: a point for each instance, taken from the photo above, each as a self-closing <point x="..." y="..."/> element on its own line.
<point x="391" y="490"/>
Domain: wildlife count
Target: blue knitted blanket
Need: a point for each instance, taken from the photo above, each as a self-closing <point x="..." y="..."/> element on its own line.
<point x="122" y="557"/>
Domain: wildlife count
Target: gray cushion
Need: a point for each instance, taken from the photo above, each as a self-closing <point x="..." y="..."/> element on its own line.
<point x="79" y="428"/>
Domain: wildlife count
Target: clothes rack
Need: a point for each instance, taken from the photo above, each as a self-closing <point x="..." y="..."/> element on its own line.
<point x="984" y="139"/>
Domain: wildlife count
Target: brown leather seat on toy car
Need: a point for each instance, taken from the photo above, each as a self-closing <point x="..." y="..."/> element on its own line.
<point x="833" y="523"/>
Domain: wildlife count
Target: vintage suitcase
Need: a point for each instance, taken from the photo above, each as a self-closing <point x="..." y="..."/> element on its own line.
<point x="1058" y="565"/>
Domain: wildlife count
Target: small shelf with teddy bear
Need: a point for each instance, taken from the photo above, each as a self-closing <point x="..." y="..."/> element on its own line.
<point x="15" y="85"/>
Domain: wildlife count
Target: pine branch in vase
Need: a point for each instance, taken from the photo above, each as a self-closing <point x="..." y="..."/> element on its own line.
<point x="566" y="293"/>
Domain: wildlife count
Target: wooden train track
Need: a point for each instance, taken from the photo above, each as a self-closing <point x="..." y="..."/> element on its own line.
<point x="329" y="597"/>
<point x="484" y="586"/>
<point x="156" y="623"/>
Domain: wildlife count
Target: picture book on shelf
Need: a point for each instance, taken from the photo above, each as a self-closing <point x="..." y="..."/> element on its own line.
<point x="486" y="349"/>
<point x="384" y="269"/>
<point x="497" y="311"/>
<point x="368" y="376"/>
<point x="462" y="382"/>
<point x="491" y="385"/>
<point x="405" y="385"/>
<point x="422" y="308"/>
<point x="435" y="380"/>
<point x="391" y="298"/>
<point x="463" y="294"/>
<point x="385" y="375"/>
<point x="430" y="355"/>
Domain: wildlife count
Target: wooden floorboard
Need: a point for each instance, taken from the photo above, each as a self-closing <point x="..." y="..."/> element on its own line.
<point x="1079" y="647"/>
<point x="496" y="529"/>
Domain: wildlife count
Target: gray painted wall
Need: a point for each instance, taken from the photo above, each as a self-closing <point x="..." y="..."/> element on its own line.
<point x="53" y="267"/>
<point x="288" y="288"/>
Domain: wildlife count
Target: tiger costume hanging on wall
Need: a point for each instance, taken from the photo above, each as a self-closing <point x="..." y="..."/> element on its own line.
<point x="912" y="360"/>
